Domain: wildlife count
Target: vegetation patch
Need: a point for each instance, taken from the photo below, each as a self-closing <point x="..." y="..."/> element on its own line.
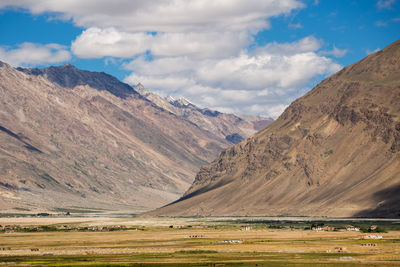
<point x="196" y="251"/>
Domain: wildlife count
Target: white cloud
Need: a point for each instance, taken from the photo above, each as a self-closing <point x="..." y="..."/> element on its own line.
<point x="164" y="16"/>
<point x="197" y="49"/>
<point x="167" y="83"/>
<point x="27" y="54"/>
<point x="264" y="70"/>
<point x="385" y="4"/>
<point x="161" y="66"/>
<point x="255" y="82"/>
<point x="97" y="43"/>
<point x="336" y="52"/>
<point x="200" y="45"/>
<point x="273" y="110"/>
<point x="307" y="44"/>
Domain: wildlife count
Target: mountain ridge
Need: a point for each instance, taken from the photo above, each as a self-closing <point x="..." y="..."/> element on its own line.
<point x="221" y="124"/>
<point x="333" y="152"/>
<point x="80" y="140"/>
<point x="69" y="76"/>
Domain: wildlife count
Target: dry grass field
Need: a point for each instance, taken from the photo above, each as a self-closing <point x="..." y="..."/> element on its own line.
<point x="190" y="242"/>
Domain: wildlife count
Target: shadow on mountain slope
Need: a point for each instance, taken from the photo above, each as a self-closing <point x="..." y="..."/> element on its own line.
<point x="387" y="204"/>
<point x="19" y="138"/>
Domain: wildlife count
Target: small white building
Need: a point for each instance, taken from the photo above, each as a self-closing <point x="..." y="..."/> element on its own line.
<point x="318" y="228"/>
<point x="352" y="228"/>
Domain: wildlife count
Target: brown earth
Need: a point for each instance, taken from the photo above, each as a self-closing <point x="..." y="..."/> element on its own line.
<point x="333" y="152"/>
<point x="84" y="141"/>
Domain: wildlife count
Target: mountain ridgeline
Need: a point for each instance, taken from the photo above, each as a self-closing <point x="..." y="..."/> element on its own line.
<point x="75" y="140"/>
<point x="333" y="152"/>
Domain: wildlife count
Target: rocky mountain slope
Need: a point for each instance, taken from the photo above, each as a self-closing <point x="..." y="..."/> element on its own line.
<point x="80" y="141"/>
<point x="333" y="152"/>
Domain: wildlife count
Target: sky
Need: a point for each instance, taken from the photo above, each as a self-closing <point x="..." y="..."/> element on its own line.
<point x="238" y="56"/>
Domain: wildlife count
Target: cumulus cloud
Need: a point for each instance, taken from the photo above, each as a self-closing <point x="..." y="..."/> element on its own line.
<point x="202" y="50"/>
<point x="97" y="43"/>
<point x="274" y="65"/>
<point x="161" y="66"/>
<point x="307" y="44"/>
<point x="200" y="45"/>
<point x="264" y="70"/>
<point x="253" y="82"/>
<point x="164" y="16"/>
<point x="27" y="54"/>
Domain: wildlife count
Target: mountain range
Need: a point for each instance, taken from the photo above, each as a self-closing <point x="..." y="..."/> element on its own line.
<point x="81" y="141"/>
<point x="333" y="152"/>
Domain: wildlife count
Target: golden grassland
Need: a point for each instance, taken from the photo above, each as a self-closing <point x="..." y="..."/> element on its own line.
<point x="190" y="242"/>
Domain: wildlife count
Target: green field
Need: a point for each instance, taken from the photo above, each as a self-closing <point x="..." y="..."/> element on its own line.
<point x="194" y="242"/>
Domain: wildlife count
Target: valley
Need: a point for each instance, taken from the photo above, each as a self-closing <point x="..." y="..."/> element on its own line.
<point x="77" y="140"/>
<point x="200" y="133"/>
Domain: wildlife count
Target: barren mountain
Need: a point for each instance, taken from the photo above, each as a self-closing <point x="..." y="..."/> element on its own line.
<point x="79" y="140"/>
<point x="233" y="128"/>
<point x="333" y="152"/>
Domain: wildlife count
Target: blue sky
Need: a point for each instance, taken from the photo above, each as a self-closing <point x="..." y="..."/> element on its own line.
<point x="251" y="57"/>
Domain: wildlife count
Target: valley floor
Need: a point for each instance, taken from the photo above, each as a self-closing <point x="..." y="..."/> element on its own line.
<point x="245" y="241"/>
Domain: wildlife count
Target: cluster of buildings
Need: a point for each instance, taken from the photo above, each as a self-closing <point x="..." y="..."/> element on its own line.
<point x="323" y="228"/>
